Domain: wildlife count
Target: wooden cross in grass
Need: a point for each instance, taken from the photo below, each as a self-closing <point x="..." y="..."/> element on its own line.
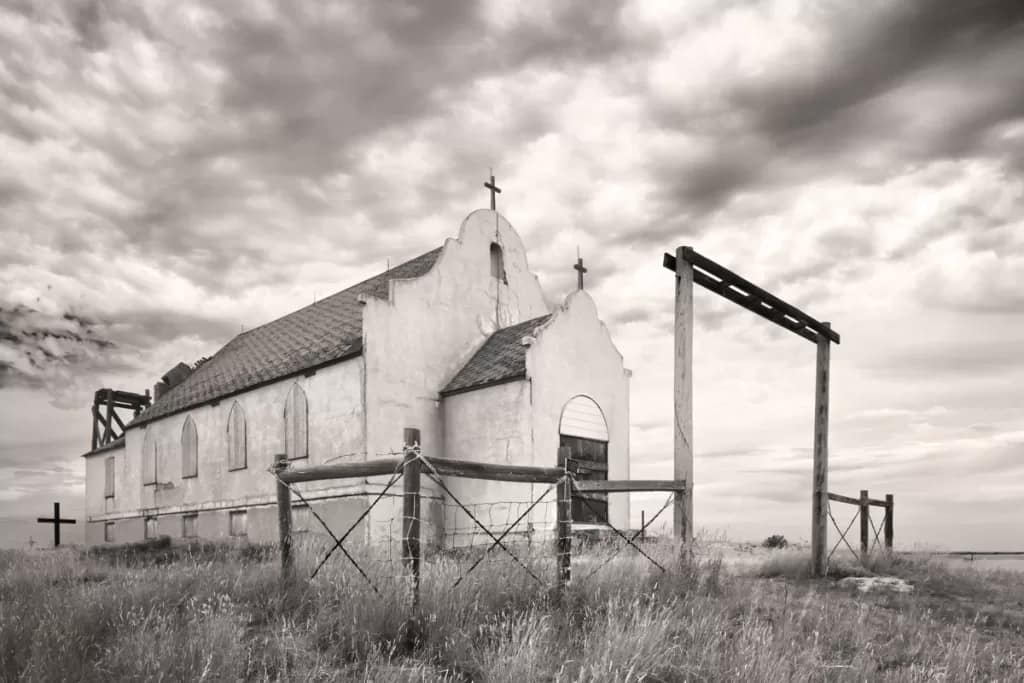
<point x="56" y="521"/>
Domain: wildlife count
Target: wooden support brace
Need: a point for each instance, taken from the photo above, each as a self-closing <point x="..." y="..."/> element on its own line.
<point x="819" y="495"/>
<point x="888" y="521"/>
<point x="682" y="519"/>
<point x="864" y="512"/>
<point x="564" y="524"/>
<point x="411" y="510"/>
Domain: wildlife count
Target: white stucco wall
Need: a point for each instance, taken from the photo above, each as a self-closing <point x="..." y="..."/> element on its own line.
<point x="492" y="425"/>
<point x="574" y="355"/>
<point x="336" y="420"/>
<point x="429" y="327"/>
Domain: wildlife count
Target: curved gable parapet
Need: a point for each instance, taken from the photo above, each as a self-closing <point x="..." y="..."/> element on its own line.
<point x="469" y="255"/>
<point x="579" y="308"/>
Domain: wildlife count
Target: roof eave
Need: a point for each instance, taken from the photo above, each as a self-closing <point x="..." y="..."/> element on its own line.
<point x="445" y="393"/>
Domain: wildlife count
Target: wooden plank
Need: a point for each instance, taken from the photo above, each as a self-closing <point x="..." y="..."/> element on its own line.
<point x="682" y="468"/>
<point x="876" y="502"/>
<point x="284" y="518"/>
<point x="888" y="521"/>
<point x="750" y="291"/>
<point x="819" y="495"/>
<point x="754" y="306"/>
<point x="350" y="470"/>
<point x="95" y="427"/>
<point x="108" y="431"/>
<point x="496" y="472"/>
<point x="843" y="499"/>
<point x="564" y="524"/>
<point x="411" y="510"/>
<point x="865" y="519"/>
<point x="615" y="486"/>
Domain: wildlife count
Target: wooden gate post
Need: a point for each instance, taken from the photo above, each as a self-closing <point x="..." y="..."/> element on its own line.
<point x="888" y="522"/>
<point x="682" y="519"/>
<point x="411" y="511"/>
<point x="864" y="510"/>
<point x="563" y="511"/>
<point x="284" y="516"/>
<point x="819" y="497"/>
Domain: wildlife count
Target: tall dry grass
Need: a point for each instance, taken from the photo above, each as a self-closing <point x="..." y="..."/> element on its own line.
<point x="224" y="614"/>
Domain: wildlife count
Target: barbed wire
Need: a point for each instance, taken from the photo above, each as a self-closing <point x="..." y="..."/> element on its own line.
<point x="495" y="534"/>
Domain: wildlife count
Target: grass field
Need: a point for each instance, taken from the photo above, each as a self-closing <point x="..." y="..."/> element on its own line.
<point x="223" y="614"/>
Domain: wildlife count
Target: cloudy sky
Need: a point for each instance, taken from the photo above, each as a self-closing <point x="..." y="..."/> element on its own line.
<point x="173" y="172"/>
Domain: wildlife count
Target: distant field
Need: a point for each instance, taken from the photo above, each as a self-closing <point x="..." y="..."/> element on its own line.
<point x="224" y="614"/>
<point x="986" y="562"/>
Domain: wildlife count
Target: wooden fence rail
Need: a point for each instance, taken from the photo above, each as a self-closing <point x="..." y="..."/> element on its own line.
<point x="412" y="465"/>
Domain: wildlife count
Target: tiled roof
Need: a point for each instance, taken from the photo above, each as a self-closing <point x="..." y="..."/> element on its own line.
<point x="502" y="357"/>
<point x="329" y="330"/>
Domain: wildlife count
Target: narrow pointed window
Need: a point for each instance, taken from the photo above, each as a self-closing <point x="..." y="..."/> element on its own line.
<point x="296" y="424"/>
<point x="236" y="438"/>
<point x="498" y="263"/>
<point x="189" y="449"/>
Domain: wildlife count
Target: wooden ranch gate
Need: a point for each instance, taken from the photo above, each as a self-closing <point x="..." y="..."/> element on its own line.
<point x="413" y="465"/>
<point x="691" y="267"/>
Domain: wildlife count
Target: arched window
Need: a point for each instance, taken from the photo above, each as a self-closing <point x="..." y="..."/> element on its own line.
<point x="189" y="449"/>
<point x="296" y="424"/>
<point x="498" y="263"/>
<point x="583" y="431"/>
<point x="149" y="458"/>
<point x="236" y="437"/>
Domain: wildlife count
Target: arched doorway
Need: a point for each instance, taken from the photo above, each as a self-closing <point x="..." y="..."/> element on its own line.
<point x="584" y="431"/>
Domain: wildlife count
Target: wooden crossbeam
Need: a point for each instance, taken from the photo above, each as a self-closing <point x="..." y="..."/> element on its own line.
<point x="598" y="486"/>
<point x="497" y="472"/>
<point x="348" y="470"/>
<point x="856" y="501"/>
<point x="742" y="292"/>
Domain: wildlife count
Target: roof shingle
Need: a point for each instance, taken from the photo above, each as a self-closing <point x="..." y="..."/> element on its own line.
<point x="329" y="330"/>
<point x="502" y="357"/>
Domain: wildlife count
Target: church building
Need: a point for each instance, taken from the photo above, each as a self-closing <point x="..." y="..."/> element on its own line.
<point x="457" y="343"/>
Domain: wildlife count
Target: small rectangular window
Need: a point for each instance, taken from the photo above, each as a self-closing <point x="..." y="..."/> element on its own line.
<point x="238" y="523"/>
<point x="188" y="525"/>
<point x="151" y="527"/>
<point x="108" y="532"/>
<point x="108" y="477"/>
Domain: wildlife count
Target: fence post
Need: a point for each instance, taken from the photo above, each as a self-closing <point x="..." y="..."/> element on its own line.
<point x="563" y="546"/>
<point x="819" y="496"/>
<point x="284" y="516"/>
<point x="411" y="511"/>
<point x="643" y="526"/>
<point x="865" y="520"/>
<point x="888" y="522"/>
<point x="682" y="468"/>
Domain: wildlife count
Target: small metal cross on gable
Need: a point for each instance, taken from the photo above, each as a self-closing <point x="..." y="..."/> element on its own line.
<point x="580" y="270"/>
<point x="56" y="521"/>
<point x="494" y="190"/>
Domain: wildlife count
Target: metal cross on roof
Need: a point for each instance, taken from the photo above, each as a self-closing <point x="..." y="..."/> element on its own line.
<point x="494" y="189"/>
<point x="580" y="270"/>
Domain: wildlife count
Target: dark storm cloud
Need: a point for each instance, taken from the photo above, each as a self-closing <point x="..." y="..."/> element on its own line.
<point x="31" y="342"/>
<point x="872" y="55"/>
<point x="860" y="113"/>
